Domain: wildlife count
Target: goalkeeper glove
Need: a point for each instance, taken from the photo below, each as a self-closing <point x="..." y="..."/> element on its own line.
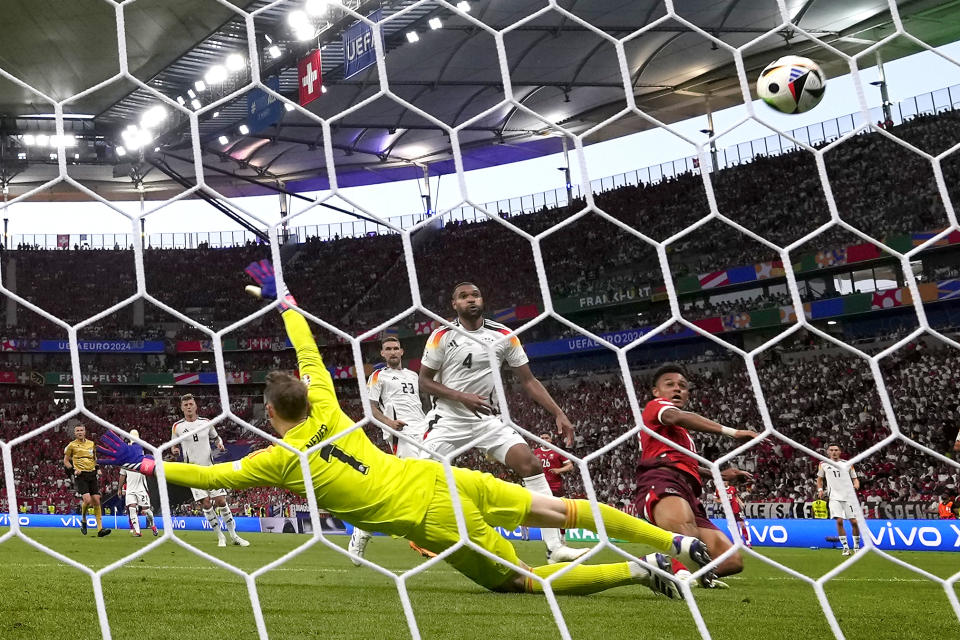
<point x="113" y="451"/>
<point x="263" y="274"/>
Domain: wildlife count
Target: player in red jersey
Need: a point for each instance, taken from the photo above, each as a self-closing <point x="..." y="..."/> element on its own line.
<point x="554" y="465"/>
<point x="668" y="481"/>
<point x="736" y="504"/>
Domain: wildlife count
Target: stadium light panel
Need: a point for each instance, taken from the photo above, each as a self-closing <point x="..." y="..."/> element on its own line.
<point x="243" y="129"/>
<point x="181" y="100"/>
<point x="76" y="156"/>
<point x="435" y="23"/>
<point x="274" y="51"/>
<point x="235" y="62"/>
<point x="195" y="104"/>
<point x="224" y="140"/>
<point x="53" y="156"/>
<point x="191" y="94"/>
<point x="21" y="156"/>
<point x="304" y="32"/>
<point x="413" y="36"/>
<point x="323" y="88"/>
<point x="464" y="6"/>
<point x="43" y="139"/>
<point x="216" y="114"/>
<point x="153" y="117"/>
<point x="29" y="140"/>
<point x="216" y="74"/>
<point x="288" y="106"/>
<point x="296" y="19"/>
<point x="121" y="151"/>
<point x="200" y="86"/>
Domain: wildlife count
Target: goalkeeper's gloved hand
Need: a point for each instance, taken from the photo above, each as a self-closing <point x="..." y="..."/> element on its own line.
<point x="113" y="451"/>
<point x="262" y="273"/>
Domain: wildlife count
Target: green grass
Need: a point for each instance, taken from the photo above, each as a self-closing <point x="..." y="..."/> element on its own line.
<point x="171" y="593"/>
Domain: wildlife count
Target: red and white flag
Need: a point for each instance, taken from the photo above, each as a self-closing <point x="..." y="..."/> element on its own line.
<point x="309" y="77"/>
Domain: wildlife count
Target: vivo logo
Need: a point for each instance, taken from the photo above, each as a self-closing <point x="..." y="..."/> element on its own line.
<point x="776" y="533"/>
<point x="923" y="536"/>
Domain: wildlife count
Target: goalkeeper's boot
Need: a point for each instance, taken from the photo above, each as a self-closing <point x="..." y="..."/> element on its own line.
<point x="358" y="544"/>
<point x="103" y="533"/>
<point x="83" y="525"/>
<point x="563" y="553"/>
<point x="656" y="582"/>
<point x="693" y="553"/>
<point x="238" y="541"/>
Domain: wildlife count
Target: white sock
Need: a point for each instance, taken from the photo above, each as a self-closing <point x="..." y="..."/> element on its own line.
<point x="149" y="514"/>
<point x="228" y="520"/>
<point x="856" y="542"/>
<point x="134" y="520"/>
<point x="361" y="534"/>
<point x="843" y="541"/>
<point x="211" y="517"/>
<point x="538" y="484"/>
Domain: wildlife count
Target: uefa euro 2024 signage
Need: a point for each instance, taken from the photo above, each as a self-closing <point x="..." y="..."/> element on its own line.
<point x="358" y="49"/>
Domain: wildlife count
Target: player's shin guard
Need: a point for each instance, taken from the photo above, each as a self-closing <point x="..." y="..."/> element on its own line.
<point x="539" y="484"/>
<point x="149" y="514"/>
<point x="745" y="533"/>
<point x="856" y="542"/>
<point x="618" y="525"/>
<point x="227" y="517"/>
<point x="584" y="579"/>
<point x="211" y="517"/>
<point x="98" y="512"/>
<point x="134" y="520"/>
<point x="843" y="542"/>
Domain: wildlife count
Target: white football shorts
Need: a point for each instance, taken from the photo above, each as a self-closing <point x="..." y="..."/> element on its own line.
<point x="841" y="509"/>
<point x="489" y="434"/>
<point x="138" y="498"/>
<point x="200" y="494"/>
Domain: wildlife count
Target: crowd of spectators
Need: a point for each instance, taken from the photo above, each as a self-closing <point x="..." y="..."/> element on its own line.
<point x="879" y="186"/>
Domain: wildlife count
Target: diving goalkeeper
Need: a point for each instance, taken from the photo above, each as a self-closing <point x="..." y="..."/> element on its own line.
<point x="410" y="498"/>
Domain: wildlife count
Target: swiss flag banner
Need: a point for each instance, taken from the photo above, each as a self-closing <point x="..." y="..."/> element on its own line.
<point x="309" y="77"/>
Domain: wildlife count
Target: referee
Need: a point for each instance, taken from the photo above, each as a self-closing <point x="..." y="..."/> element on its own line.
<point x="80" y="457"/>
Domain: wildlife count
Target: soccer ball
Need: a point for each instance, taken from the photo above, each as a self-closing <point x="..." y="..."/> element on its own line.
<point x="792" y="84"/>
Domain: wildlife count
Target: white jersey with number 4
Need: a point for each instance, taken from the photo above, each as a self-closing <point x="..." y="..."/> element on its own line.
<point x="838" y="487"/>
<point x="197" y="449"/>
<point x="464" y="365"/>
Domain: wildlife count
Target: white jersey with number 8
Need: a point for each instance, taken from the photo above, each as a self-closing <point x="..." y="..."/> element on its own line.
<point x="198" y="448"/>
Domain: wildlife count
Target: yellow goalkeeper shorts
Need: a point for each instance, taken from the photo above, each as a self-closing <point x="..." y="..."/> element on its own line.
<point x="487" y="502"/>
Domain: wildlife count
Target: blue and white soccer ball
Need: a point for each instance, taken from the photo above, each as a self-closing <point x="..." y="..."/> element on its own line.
<point x="792" y="84"/>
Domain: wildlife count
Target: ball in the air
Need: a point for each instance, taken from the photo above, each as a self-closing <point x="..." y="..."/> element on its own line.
<point x="792" y="84"/>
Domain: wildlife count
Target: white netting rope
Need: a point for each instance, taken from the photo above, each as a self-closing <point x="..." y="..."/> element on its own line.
<point x="590" y="208"/>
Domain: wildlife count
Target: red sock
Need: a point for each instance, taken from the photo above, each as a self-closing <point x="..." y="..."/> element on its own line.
<point x="676" y="565"/>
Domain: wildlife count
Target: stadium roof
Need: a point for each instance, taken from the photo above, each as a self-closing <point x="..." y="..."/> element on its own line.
<point x="559" y="69"/>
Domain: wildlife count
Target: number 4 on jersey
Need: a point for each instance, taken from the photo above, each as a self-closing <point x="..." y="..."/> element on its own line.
<point x="468" y="361"/>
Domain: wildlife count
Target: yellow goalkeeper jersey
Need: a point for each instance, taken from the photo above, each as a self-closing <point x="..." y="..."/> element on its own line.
<point x="353" y="479"/>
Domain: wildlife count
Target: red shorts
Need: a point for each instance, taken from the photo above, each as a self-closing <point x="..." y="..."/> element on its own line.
<point x="656" y="483"/>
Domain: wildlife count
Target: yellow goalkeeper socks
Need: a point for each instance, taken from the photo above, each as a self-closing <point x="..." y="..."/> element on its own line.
<point x="583" y="579"/>
<point x="618" y="525"/>
<point x="98" y="512"/>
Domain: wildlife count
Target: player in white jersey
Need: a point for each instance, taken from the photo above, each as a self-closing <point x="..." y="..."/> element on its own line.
<point x="841" y="489"/>
<point x="458" y="373"/>
<point x="395" y="401"/>
<point x="134" y="487"/>
<point x="198" y="449"/>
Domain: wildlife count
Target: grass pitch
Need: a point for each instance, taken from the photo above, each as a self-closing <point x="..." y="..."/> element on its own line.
<point x="170" y="593"/>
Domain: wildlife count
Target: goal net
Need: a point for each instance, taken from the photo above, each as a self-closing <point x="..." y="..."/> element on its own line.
<point x="588" y="231"/>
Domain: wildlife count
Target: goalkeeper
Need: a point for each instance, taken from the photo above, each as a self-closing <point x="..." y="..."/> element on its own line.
<point x="410" y="498"/>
